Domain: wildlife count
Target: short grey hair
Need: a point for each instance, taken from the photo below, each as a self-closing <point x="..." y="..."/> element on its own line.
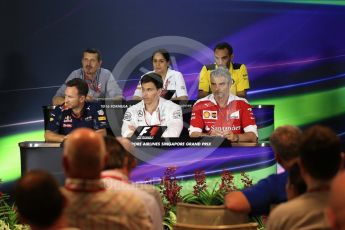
<point x="221" y="72"/>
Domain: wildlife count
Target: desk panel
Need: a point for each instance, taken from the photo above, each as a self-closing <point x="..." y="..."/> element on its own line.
<point x="153" y="161"/>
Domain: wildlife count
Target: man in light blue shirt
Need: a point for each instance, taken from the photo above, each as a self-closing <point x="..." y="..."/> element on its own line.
<point x="101" y="82"/>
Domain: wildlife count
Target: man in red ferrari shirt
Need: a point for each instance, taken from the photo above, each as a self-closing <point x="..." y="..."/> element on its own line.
<point x="223" y="114"/>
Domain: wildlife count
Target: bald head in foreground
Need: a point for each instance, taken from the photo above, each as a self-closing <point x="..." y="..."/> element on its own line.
<point x="84" y="154"/>
<point x="90" y="205"/>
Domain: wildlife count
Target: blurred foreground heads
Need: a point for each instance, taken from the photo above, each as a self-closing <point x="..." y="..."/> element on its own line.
<point x="39" y="201"/>
<point x="116" y="177"/>
<point x="90" y="206"/>
<point x="258" y="199"/>
<point x="320" y="161"/>
<point x="335" y="211"/>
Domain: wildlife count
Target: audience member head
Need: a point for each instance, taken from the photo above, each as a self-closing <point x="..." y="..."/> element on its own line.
<point x="320" y="154"/>
<point x="285" y="142"/>
<point x="335" y="211"/>
<point x="39" y="200"/>
<point x="223" y="54"/>
<point x="119" y="154"/>
<point x="84" y="154"/>
<point x="116" y="153"/>
<point x="295" y="185"/>
<point x="127" y="144"/>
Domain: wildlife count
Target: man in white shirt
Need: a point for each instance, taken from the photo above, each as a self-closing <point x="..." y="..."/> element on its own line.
<point x="172" y="79"/>
<point x="153" y="110"/>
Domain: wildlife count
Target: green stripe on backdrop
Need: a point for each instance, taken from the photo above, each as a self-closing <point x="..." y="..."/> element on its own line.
<point x="308" y="108"/>
<point x="10" y="153"/>
<point x="265" y="133"/>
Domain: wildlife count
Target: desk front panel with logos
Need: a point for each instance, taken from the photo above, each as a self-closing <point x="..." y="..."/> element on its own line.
<point x="187" y="155"/>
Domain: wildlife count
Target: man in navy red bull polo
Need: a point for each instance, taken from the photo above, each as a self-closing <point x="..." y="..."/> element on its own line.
<point x="75" y="113"/>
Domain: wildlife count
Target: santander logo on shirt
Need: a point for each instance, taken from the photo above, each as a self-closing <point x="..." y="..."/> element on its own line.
<point x="226" y="128"/>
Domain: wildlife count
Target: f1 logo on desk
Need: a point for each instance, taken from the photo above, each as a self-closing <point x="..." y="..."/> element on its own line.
<point x="150" y="132"/>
